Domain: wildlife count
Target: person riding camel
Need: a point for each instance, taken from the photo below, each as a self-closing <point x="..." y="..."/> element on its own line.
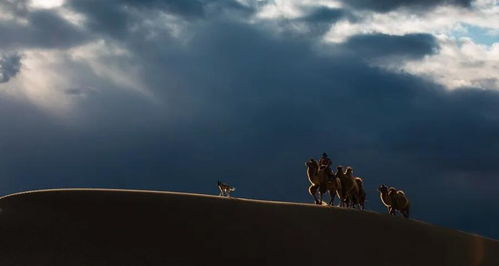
<point x="325" y="162"/>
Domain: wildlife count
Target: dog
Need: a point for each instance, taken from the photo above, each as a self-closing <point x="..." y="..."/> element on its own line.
<point x="225" y="189"/>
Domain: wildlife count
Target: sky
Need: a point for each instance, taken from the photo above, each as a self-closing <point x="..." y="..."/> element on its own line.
<point x="177" y="94"/>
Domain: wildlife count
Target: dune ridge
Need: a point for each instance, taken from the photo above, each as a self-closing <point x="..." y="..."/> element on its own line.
<point x="137" y="227"/>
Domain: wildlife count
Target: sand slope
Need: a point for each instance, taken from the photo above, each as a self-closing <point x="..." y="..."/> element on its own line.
<point x="117" y="227"/>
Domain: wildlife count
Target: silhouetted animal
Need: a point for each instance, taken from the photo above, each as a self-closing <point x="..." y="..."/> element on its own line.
<point x="361" y="196"/>
<point x="383" y="195"/>
<point x="225" y="189"/>
<point x="318" y="179"/>
<point x="349" y="192"/>
<point x="322" y="180"/>
<point x="333" y="185"/>
<point x="394" y="200"/>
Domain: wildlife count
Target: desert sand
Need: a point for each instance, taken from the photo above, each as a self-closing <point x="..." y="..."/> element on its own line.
<point x="123" y="227"/>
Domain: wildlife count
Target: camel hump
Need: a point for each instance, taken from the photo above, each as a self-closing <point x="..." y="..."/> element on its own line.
<point x="401" y="194"/>
<point x="359" y="182"/>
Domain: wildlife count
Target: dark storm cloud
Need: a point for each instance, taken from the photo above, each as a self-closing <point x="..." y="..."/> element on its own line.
<point x="9" y="66"/>
<point x="116" y="17"/>
<point x="241" y="103"/>
<point x="44" y="29"/>
<point x="324" y="15"/>
<point x="388" y="5"/>
<point x="318" y="20"/>
<point x="380" y="45"/>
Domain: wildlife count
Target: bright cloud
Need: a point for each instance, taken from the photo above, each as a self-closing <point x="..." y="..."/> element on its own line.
<point x="460" y="63"/>
<point x="46" y="3"/>
<point x="57" y="81"/>
<point x="468" y="40"/>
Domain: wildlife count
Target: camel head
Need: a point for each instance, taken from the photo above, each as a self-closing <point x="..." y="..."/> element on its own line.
<point x="383" y="189"/>
<point x="312" y="163"/>
<point x="349" y="170"/>
<point x="339" y="168"/>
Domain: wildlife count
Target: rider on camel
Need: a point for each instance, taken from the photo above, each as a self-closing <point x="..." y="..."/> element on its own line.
<point x="325" y="162"/>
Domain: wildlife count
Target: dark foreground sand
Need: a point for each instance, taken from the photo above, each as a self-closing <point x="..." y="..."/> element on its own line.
<point x="117" y="227"/>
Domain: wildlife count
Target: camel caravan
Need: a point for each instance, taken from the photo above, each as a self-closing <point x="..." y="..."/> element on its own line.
<point x="349" y="188"/>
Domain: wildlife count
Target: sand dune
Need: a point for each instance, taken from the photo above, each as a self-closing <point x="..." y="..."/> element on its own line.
<point x="119" y="227"/>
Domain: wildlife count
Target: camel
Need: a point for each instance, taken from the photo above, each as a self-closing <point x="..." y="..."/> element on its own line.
<point x="394" y="200"/>
<point x="349" y="191"/>
<point x="383" y="195"/>
<point x="361" y="199"/>
<point x="321" y="180"/>
<point x="317" y="178"/>
<point x="333" y="185"/>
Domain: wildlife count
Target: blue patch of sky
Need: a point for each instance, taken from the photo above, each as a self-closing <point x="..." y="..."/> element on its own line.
<point x="481" y="35"/>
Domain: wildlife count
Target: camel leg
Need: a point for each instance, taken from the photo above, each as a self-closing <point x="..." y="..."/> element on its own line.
<point x="345" y="199"/>
<point x="343" y="196"/>
<point x="331" y="195"/>
<point x="313" y="190"/>
<point x="357" y="202"/>
<point x="352" y="202"/>
<point x="405" y="213"/>
<point x="349" y="201"/>
<point x="322" y="191"/>
<point x="339" y="197"/>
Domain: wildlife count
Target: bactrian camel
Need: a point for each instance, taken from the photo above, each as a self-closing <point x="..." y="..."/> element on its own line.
<point x="394" y="200"/>
<point x="322" y="180"/>
<point x="361" y="199"/>
<point x="349" y="192"/>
